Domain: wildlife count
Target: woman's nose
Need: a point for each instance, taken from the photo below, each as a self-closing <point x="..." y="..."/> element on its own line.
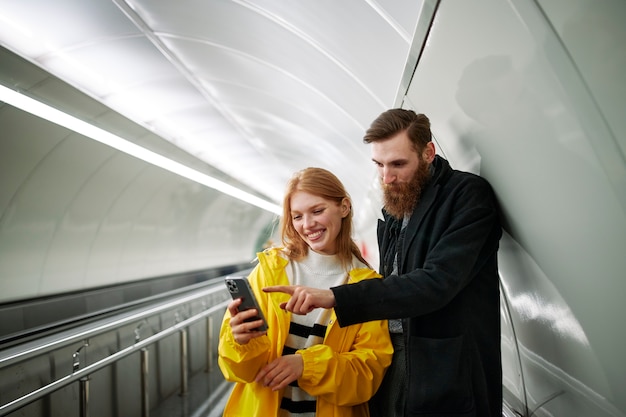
<point x="308" y="221"/>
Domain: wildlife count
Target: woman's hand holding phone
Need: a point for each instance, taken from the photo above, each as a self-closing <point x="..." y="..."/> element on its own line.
<point x="243" y="329"/>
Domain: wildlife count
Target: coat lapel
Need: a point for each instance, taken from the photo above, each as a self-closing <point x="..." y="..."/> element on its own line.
<point x="427" y="200"/>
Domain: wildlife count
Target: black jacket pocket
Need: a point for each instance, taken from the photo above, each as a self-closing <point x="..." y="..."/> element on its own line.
<point x="439" y="377"/>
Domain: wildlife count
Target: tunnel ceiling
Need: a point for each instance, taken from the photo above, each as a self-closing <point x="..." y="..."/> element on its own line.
<point x="257" y="89"/>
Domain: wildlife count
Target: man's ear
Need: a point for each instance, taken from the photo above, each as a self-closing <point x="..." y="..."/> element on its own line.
<point x="429" y="152"/>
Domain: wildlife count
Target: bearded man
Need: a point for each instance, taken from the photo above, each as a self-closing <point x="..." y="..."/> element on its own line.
<point x="438" y="243"/>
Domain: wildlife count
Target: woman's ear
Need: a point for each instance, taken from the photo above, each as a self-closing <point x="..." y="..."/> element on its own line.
<point x="346" y="206"/>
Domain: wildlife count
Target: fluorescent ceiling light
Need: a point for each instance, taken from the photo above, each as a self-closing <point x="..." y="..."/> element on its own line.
<point x="53" y="115"/>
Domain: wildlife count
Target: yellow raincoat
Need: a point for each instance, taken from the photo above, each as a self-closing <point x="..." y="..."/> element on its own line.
<point x="342" y="373"/>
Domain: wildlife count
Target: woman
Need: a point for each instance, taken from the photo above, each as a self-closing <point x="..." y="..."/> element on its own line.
<point x="305" y="365"/>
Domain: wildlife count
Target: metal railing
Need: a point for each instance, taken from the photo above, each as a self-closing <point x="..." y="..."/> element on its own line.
<point x="19" y="354"/>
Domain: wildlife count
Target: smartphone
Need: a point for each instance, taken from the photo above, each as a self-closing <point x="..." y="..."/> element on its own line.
<point x="238" y="287"/>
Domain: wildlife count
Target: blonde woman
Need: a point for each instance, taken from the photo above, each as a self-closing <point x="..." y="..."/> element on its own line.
<point x="305" y="365"/>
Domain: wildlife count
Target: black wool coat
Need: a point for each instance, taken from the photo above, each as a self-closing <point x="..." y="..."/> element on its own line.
<point x="447" y="293"/>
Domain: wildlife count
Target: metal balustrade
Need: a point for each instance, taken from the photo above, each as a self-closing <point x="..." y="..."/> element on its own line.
<point x="81" y="374"/>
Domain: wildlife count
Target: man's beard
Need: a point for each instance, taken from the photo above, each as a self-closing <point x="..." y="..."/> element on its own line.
<point x="400" y="199"/>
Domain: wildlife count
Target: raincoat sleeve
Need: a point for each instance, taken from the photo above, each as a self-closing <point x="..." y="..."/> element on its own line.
<point x="241" y="363"/>
<point x="349" y="367"/>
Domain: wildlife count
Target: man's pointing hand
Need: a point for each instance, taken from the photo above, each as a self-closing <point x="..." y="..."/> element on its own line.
<point x="304" y="299"/>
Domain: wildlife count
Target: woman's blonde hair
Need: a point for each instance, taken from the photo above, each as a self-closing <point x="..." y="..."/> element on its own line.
<point x="324" y="184"/>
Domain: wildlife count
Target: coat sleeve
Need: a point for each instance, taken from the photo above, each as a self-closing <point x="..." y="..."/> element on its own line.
<point x="241" y="363"/>
<point x="351" y="377"/>
<point x="349" y="367"/>
<point x="458" y="236"/>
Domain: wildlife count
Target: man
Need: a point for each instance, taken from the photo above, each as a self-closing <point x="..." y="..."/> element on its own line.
<point x="438" y="247"/>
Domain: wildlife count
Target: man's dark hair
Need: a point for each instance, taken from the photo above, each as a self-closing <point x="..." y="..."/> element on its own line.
<point x="394" y="121"/>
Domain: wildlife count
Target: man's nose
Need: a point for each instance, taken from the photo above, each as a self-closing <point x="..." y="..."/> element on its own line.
<point x="388" y="176"/>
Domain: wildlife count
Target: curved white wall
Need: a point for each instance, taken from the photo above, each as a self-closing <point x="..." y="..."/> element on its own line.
<point x="533" y="100"/>
<point x="76" y="214"/>
<point x="528" y="94"/>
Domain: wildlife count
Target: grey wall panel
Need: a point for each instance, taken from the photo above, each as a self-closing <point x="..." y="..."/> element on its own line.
<point x="593" y="35"/>
<point x="524" y="105"/>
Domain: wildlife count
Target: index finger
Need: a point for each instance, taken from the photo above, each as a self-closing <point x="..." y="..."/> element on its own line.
<point x="287" y="289"/>
<point x="233" y="306"/>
